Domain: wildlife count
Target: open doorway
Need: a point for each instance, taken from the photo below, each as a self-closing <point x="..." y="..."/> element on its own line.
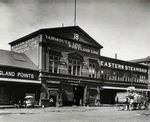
<point x="78" y="95"/>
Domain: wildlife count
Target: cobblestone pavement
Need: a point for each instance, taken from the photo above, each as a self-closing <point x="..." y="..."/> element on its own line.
<point x="73" y="114"/>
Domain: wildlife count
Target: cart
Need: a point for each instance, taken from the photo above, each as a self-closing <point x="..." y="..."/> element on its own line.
<point x="132" y="99"/>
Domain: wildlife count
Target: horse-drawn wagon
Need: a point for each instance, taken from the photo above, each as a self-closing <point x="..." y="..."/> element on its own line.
<point x="132" y="99"/>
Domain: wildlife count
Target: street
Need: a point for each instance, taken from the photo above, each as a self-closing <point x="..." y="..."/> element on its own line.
<point x="73" y="114"/>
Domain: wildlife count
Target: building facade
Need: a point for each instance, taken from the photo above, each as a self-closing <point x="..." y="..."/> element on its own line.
<point x="71" y="69"/>
<point x="117" y="75"/>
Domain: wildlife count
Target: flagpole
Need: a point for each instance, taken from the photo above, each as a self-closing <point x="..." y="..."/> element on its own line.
<point x="75" y="14"/>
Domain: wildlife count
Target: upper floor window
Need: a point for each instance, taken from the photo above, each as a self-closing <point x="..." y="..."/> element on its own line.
<point x="74" y="67"/>
<point x="126" y="76"/>
<point x="142" y="77"/>
<point x="135" y="78"/>
<point x="116" y="75"/>
<point x="106" y="74"/>
<point x="92" y="70"/>
<point x="53" y="64"/>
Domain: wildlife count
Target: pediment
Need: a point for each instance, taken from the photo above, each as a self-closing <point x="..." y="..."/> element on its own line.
<point x="75" y="33"/>
<point x="75" y="55"/>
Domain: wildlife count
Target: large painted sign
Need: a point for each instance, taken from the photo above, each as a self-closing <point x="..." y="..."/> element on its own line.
<point x="26" y="45"/>
<point x="73" y="45"/>
<point x="20" y="74"/>
<point x="123" y="67"/>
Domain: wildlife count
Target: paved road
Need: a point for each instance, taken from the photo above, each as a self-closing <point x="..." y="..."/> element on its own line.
<point x="73" y="114"/>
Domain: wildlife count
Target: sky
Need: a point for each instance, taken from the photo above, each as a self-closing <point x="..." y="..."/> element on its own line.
<point x="122" y="27"/>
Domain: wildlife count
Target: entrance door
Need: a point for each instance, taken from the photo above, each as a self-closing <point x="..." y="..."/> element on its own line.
<point x="52" y="100"/>
<point x="78" y="95"/>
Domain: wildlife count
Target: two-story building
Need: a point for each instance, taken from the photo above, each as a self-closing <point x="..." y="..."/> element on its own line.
<point x="71" y="69"/>
<point x="117" y="75"/>
<point x="68" y="63"/>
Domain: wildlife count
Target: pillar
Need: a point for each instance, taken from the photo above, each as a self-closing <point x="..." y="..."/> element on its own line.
<point x="85" y="96"/>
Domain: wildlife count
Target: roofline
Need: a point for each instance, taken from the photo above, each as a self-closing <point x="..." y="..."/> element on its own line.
<point x="90" y="37"/>
<point x="40" y="31"/>
<point x="123" y="61"/>
<point x="33" y="34"/>
<point x="142" y="60"/>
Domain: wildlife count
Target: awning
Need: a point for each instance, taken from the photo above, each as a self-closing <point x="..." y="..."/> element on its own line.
<point x="121" y="88"/>
<point x="53" y="82"/>
<point x="148" y="90"/>
<point x="117" y="88"/>
<point x="20" y="80"/>
<point x="52" y="89"/>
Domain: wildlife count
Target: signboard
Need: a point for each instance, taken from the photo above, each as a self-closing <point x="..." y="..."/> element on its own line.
<point x="16" y="73"/>
<point x="63" y="63"/>
<point x="85" y="67"/>
<point x="26" y="45"/>
<point x="53" y="92"/>
<point x="74" y="81"/>
<point x="123" y="67"/>
<point x="73" y="45"/>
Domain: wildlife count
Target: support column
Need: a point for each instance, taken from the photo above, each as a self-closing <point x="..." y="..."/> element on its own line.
<point x="85" y="96"/>
<point x="60" y="99"/>
<point x="149" y="75"/>
<point x="98" y="95"/>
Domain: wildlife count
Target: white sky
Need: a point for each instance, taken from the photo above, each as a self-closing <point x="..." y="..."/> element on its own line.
<point x="120" y="26"/>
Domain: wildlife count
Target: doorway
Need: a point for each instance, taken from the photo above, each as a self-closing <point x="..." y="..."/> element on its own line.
<point x="78" y="95"/>
<point x="52" y="101"/>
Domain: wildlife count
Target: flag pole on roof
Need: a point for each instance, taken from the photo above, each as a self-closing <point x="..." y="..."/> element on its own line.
<point x="75" y="14"/>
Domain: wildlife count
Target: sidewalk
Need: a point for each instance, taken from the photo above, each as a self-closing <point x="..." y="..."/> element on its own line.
<point x="7" y="106"/>
<point x="13" y="106"/>
<point x="38" y="106"/>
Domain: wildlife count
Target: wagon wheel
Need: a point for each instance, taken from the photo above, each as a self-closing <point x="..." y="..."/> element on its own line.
<point x="145" y="105"/>
<point x="139" y="106"/>
<point x="131" y="107"/>
<point x="126" y="107"/>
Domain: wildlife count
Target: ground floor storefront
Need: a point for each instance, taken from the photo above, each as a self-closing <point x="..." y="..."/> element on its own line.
<point x="66" y="90"/>
<point x="63" y="92"/>
<point x="12" y="93"/>
<point x="69" y="92"/>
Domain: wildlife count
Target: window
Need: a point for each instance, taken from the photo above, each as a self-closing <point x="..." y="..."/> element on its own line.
<point x="126" y="76"/>
<point x="92" y="70"/>
<point x="135" y="78"/>
<point x="105" y="74"/>
<point x="74" y="67"/>
<point x="142" y="77"/>
<point x="116" y="75"/>
<point x="53" y="64"/>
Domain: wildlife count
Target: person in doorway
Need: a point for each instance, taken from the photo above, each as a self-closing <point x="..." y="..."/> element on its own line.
<point x="51" y="102"/>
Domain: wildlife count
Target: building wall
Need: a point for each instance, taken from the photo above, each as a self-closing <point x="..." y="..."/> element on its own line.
<point x="70" y="90"/>
<point x="30" y="47"/>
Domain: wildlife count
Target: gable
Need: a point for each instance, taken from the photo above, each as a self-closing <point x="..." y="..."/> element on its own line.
<point x="70" y="32"/>
<point x="74" y="33"/>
